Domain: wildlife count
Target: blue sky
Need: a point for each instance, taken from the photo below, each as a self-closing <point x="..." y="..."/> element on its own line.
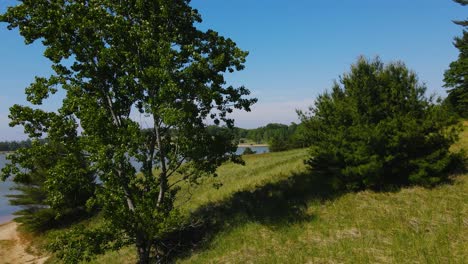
<point x="297" y="48"/>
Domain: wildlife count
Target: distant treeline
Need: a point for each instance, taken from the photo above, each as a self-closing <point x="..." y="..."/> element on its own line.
<point x="278" y="136"/>
<point x="14" y="145"/>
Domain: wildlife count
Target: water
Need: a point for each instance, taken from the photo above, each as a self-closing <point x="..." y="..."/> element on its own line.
<point x="257" y="149"/>
<point x="6" y="210"/>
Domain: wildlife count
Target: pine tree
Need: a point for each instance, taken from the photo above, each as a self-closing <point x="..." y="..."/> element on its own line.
<point x="53" y="184"/>
<point x="456" y="77"/>
<point x="376" y="129"/>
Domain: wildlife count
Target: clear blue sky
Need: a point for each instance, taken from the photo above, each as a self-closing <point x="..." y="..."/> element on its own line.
<point x="297" y="48"/>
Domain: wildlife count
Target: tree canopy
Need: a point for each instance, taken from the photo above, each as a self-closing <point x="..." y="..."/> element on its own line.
<point x="376" y="129"/>
<point x="456" y="77"/>
<point x="124" y="61"/>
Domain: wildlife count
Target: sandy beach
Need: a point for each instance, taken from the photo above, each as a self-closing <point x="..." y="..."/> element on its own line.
<point x="13" y="249"/>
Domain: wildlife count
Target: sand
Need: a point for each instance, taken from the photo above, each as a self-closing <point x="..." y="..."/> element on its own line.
<point x="13" y="248"/>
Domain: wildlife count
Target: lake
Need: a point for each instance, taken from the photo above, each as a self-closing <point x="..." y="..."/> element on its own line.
<point x="7" y="210"/>
<point x="257" y="149"/>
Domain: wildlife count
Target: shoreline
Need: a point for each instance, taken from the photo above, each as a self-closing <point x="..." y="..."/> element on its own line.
<point x="14" y="248"/>
<point x="5" y="219"/>
<point x="243" y="145"/>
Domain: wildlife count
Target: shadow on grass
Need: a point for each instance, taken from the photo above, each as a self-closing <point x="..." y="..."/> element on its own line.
<point x="273" y="204"/>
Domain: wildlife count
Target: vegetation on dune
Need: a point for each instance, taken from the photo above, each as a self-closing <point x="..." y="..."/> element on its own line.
<point x="339" y="201"/>
<point x="412" y="225"/>
<point x="118" y="59"/>
<point x="274" y="211"/>
<point x="376" y="129"/>
<point x="245" y="192"/>
<point x="205" y="203"/>
<point x="258" y="170"/>
<point x="317" y="224"/>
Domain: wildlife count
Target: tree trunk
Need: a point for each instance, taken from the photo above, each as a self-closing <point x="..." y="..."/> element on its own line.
<point x="163" y="174"/>
<point x="143" y="247"/>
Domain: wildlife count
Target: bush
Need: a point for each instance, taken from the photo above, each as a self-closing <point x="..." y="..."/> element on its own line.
<point x="80" y="243"/>
<point x="248" y="151"/>
<point x="278" y="143"/>
<point x="376" y="129"/>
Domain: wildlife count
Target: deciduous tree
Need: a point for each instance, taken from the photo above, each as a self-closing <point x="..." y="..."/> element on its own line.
<point x="122" y="61"/>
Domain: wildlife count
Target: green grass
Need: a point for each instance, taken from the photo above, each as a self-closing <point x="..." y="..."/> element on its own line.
<point x="259" y="170"/>
<point x="463" y="140"/>
<point x="413" y="225"/>
<point x="272" y="211"/>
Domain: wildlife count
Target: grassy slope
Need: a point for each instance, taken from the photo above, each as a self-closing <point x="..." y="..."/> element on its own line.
<point x="413" y="225"/>
<point x="259" y="170"/>
<point x="410" y="226"/>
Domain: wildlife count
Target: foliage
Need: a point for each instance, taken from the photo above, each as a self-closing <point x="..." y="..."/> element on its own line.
<point x="277" y="143"/>
<point x="238" y="182"/>
<point x="117" y="60"/>
<point x="79" y="244"/>
<point x="279" y="137"/>
<point x="53" y="181"/>
<point x="248" y="151"/>
<point x="456" y="77"/>
<point x="266" y="133"/>
<point x="382" y="227"/>
<point x="377" y="130"/>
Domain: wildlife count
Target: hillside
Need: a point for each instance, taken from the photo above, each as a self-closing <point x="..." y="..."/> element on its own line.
<point x="413" y="225"/>
<point x="272" y="211"/>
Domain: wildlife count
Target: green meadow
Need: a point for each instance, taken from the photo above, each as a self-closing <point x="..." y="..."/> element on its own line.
<point x="272" y="210"/>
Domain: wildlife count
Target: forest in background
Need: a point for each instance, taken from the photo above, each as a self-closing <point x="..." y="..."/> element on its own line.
<point x="7" y="146"/>
<point x="278" y="136"/>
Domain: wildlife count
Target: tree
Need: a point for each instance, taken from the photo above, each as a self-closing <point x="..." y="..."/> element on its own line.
<point x="456" y="77"/>
<point x="54" y="183"/>
<point x="376" y="129"/>
<point x="277" y="142"/>
<point x="53" y="176"/>
<point x="121" y="59"/>
<point x="299" y="138"/>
